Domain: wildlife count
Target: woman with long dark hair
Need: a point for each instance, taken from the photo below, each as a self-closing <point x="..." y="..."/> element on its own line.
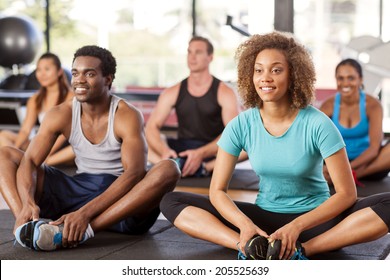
<point x="54" y="89"/>
<point x="358" y="116"/>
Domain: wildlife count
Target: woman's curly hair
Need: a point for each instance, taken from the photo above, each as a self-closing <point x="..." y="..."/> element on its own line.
<point x="301" y="68"/>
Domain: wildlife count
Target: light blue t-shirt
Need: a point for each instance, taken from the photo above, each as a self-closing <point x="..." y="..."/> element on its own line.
<point x="289" y="166"/>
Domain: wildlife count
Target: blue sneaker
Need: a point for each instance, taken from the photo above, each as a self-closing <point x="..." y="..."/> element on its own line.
<point x="274" y="250"/>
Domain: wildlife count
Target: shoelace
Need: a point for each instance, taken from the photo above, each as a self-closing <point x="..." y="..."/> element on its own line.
<point x="298" y="255"/>
<point x="240" y="255"/>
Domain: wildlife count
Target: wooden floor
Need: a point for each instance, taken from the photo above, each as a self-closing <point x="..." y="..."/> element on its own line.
<point x="239" y="195"/>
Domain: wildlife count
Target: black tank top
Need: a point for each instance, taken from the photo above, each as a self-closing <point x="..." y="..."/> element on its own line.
<point x="199" y="118"/>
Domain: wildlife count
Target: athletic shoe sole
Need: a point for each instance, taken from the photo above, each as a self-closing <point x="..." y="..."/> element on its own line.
<point x="256" y="248"/>
<point x="27" y="233"/>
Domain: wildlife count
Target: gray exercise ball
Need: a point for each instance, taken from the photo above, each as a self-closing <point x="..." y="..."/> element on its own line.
<point x="20" y="40"/>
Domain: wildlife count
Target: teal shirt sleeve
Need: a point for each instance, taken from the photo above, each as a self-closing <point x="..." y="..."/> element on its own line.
<point x="231" y="138"/>
<point x="327" y="136"/>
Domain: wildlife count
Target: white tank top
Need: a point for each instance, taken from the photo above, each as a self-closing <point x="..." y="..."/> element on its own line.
<point x="101" y="158"/>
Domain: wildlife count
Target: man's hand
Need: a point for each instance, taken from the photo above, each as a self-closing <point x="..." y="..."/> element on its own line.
<point x="193" y="162"/>
<point x="75" y="225"/>
<point x="29" y="213"/>
<point x="168" y="154"/>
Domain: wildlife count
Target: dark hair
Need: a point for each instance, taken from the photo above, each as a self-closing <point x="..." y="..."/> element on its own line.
<point x="108" y="62"/>
<point x="353" y="63"/>
<point x="63" y="84"/>
<point x="301" y="68"/>
<point x="210" y="48"/>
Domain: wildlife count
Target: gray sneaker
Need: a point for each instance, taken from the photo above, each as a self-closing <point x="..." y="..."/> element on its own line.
<point x="39" y="236"/>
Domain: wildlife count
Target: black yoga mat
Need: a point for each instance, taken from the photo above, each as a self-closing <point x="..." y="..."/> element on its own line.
<point x="162" y="242"/>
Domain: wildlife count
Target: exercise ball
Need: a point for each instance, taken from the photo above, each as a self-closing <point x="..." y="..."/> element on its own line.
<point x="20" y="41"/>
<point x="32" y="82"/>
<point x="14" y="82"/>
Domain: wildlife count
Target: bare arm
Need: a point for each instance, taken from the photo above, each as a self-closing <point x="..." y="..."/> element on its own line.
<point x="375" y="117"/>
<point x="327" y="109"/>
<point x="28" y="123"/>
<point x="61" y="140"/>
<point x="36" y="153"/>
<point x="223" y="171"/>
<point x="327" y="106"/>
<point x="161" y="111"/>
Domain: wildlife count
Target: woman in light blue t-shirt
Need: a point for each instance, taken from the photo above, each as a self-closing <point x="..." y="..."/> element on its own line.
<point x="287" y="140"/>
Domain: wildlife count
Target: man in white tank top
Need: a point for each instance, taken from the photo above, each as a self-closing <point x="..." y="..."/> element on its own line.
<point x="112" y="188"/>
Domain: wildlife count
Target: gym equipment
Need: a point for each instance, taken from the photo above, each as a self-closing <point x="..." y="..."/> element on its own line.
<point x="20" y="41"/>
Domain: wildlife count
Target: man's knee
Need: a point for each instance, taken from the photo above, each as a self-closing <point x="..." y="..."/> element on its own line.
<point x="167" y="171"/>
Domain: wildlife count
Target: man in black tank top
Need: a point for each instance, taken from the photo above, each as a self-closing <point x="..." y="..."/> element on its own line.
<point x="203" y="104"/>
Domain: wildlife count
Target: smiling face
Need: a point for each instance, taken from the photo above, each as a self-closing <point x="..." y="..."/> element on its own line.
<point x="348" y="80"/>
<point x="271" y="75"/>
<point x="88" y="82"/>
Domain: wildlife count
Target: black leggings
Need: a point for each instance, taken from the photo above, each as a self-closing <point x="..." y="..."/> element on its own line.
<point x="173" y="203"/>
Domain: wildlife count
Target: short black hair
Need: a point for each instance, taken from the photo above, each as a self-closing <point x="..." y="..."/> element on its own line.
<point x="108" y="61"/>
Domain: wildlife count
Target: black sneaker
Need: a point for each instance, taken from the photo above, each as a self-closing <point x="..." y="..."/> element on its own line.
<point x="274" y="250"/>
<point x="256" y="248"/>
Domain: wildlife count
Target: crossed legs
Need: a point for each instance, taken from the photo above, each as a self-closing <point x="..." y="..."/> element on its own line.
<point x="201" y="221"/>
<point x="143" y="198"/>
<point x="380" y="164"/>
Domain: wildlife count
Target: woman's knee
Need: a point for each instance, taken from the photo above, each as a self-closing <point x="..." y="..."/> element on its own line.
<point x="168" y="200"/>
<point x="171" y="205"/>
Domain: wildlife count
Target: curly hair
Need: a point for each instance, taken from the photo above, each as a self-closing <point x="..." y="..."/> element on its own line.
<point x="108" y="62"/>
<point x="301" y="68"/>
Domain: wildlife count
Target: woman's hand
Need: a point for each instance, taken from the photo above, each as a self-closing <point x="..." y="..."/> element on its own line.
<point x="288" y="234"/>
<point x="247" y="233"/>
